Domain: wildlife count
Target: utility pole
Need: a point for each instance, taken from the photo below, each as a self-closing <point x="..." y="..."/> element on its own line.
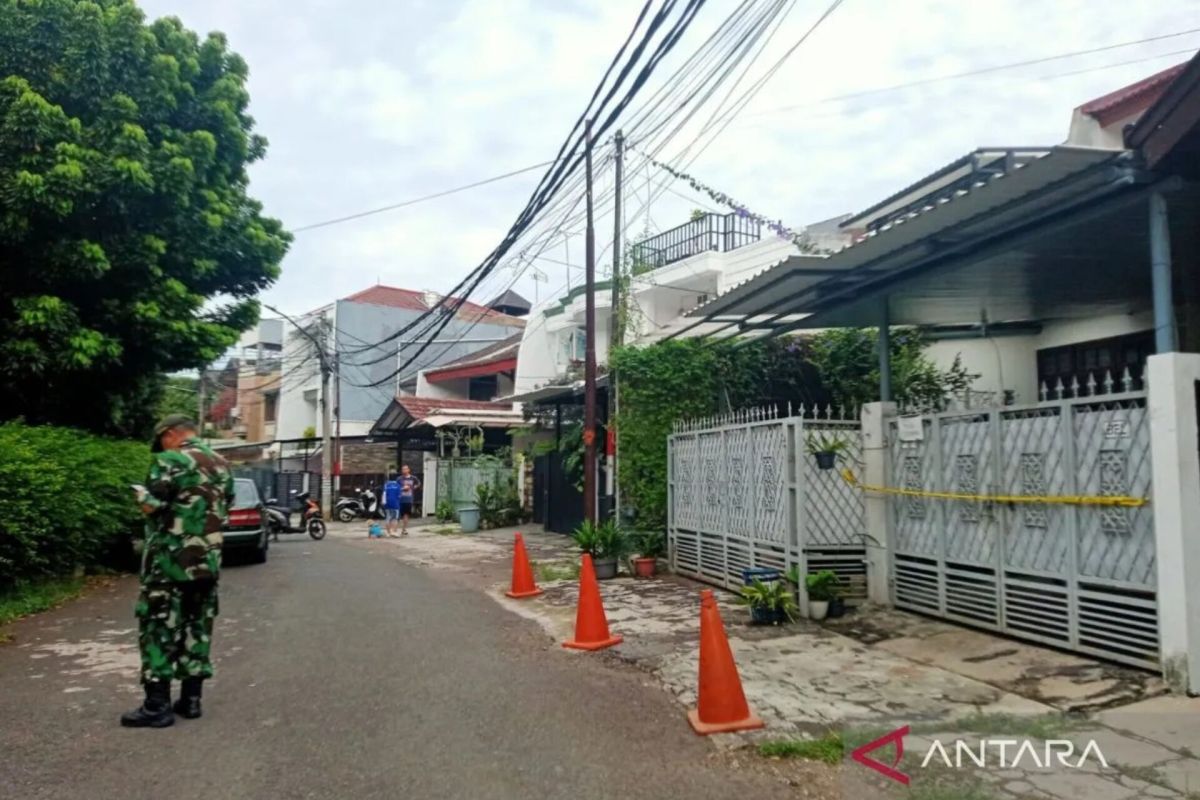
<point x="589" y="357"/>
<point x="200" y="403"/>
<point x="327" y="454"/>
<point x="614" y="327"/>
<point x="337" y="410"/>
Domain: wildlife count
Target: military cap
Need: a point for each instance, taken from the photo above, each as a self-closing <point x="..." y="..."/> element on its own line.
<point x="167" y="423"/>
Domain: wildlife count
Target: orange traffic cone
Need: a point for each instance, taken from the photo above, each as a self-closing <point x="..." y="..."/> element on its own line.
<point x="721" y="704"/>
<point x="591" y="626"/>
<point x="522" y="575"/>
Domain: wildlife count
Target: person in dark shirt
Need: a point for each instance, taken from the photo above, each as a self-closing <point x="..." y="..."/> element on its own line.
<point x="408" y="488"/>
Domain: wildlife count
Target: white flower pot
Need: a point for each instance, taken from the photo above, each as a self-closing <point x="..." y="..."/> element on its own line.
<point x="817" y="609"/>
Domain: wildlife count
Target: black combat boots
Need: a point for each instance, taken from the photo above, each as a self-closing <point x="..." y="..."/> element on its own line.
<point x="155" y="712"/>
<point x="188" y="704"/>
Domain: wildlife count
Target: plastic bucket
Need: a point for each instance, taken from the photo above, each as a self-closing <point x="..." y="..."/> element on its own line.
<point x="468" y="519"/>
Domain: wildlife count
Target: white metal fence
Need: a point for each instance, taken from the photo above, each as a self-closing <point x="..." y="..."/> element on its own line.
<point x="743" y="493"/>
<point x="458" y="478"/>
<point x="1075" y="576"/>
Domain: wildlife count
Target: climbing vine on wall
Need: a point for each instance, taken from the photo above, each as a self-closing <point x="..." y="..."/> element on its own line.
<point x="679" y="379"/>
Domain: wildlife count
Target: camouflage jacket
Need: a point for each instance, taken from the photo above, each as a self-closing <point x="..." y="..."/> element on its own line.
<point x="188" y="495"/>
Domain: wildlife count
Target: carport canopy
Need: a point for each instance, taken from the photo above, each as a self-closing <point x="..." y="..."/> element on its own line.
<point x="1067" y="235"/>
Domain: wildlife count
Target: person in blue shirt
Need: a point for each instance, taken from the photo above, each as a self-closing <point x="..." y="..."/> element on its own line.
<point x="391" y="504"/>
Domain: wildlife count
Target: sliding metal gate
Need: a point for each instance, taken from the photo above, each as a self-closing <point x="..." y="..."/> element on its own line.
<point x="742" y="493"/>
<point x="1074" y="576"/>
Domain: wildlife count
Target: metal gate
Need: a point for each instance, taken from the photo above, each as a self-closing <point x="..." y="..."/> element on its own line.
<point x="742" y="493"/>
<point x="1074" y="576"/>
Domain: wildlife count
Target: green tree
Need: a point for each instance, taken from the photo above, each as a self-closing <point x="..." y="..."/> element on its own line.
<point x="178" y="397"/>
<point x="847" y="360"/>
<point x="129" y="246"/>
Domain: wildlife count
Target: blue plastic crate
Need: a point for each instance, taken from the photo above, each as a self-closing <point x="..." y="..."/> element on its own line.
<point x="764" y="574"/>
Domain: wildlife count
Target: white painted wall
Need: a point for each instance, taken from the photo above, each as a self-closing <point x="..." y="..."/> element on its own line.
<point x="1173" y="380"/>
<point x="1010" y="362"/>
<point x="657" y="299"/>
<point x="301" y="382"/>
<point x="1086" y="131"/>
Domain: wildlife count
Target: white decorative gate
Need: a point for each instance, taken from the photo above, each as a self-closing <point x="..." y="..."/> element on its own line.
<point x="1076" y="576"/>
<point x="742" y="493"/>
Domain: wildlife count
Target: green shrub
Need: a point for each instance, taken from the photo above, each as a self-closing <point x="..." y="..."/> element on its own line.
<point x="65" y="500"/>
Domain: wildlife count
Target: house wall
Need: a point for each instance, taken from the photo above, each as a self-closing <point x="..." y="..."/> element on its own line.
<point x="299" y="387"/>
<point x="251" y="405"/>
<point x="657" y="299"/>
<point x="1010" y="362"/>
<point x="356" y="324"/>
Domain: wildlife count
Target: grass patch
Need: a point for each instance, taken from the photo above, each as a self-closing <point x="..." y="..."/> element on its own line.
<point x="446" y="531"/>
<point x="30" y="598"/>
<point x="828" y="749"/>
<point x="547" y="571"/>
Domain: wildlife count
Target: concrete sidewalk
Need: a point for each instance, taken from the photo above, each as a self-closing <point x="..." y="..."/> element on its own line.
<point x="870" y="670"/>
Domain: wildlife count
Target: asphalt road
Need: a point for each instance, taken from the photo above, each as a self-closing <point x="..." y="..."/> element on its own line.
<point x="343" y="673"/>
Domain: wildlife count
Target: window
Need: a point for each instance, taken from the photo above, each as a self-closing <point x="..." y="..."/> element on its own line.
<point x="270" y="404"/>
<point x="484" y="388"/>
<point x="575" y="345"/>
<point x="1096" y="360"/>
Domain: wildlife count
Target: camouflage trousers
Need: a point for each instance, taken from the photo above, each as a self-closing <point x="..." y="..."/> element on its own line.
<point x="175" y="625"/>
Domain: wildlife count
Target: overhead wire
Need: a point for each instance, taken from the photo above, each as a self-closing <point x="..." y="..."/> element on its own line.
<point x="670" y="38"/>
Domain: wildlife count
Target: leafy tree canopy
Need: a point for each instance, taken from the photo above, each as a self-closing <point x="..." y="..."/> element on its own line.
<point x="129" y="247"/>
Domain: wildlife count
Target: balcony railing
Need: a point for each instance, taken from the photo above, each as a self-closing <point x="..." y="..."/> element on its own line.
<point x="718" y="233"/>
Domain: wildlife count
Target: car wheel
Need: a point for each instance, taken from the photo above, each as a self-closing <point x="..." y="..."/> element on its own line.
<point x="260" y="553"/>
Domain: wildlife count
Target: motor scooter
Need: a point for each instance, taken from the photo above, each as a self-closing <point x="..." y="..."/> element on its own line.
<point x="364" y="504"/>
<point x="279" y="518"/>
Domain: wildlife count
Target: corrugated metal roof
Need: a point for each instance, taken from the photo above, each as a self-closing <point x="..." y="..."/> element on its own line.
<point x="796" y="285"/>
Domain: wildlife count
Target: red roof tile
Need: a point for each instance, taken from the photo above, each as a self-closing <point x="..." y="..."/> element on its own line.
<point x="395" y="297"/>
<point x="422" y="407"/>
<point x="1132" y="98"/>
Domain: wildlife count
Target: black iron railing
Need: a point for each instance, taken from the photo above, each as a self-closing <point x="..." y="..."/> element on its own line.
<point x="707" y="233"/>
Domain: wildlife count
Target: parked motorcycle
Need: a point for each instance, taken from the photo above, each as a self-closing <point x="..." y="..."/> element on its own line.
<point x="364" y="504"/>
<point x="279" y="518"/>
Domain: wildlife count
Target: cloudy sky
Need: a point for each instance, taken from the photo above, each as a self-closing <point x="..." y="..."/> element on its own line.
<point x="368" y="104"/>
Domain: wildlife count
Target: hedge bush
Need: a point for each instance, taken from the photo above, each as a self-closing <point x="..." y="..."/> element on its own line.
<point x="65" y="501"/>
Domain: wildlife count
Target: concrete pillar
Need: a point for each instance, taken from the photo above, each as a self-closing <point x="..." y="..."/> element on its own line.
<point x="875" y="420"/>
<point x="1174" y="385"/>
<point x="1165" y="337"/>
<point x="885" y="352"/>
<point x="429" y="484"/>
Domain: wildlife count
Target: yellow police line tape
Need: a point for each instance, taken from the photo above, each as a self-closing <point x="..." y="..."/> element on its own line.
<point x="1065" y="500"/>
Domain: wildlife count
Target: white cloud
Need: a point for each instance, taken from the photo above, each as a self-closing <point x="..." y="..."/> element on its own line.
<point x="367" y="104"/>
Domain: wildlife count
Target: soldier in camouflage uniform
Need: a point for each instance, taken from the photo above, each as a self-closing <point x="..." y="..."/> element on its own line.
<point x="185" y="499"/>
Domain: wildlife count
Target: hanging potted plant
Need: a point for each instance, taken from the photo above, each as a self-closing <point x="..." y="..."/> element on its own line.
<point x="649" y="546"/>
<point x="822" y="587"/>
<point x="770" y="602"/>
<point x="826" y="447"/>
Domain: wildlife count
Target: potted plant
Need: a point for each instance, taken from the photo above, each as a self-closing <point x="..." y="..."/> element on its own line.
<point x="826" y="447"/>
<point x="606" y="542"/>
<point x="770" y="602"/>
<point x="444" y="511"/>
<point x="821" y="587"/>
<point x="650" y="546"/>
